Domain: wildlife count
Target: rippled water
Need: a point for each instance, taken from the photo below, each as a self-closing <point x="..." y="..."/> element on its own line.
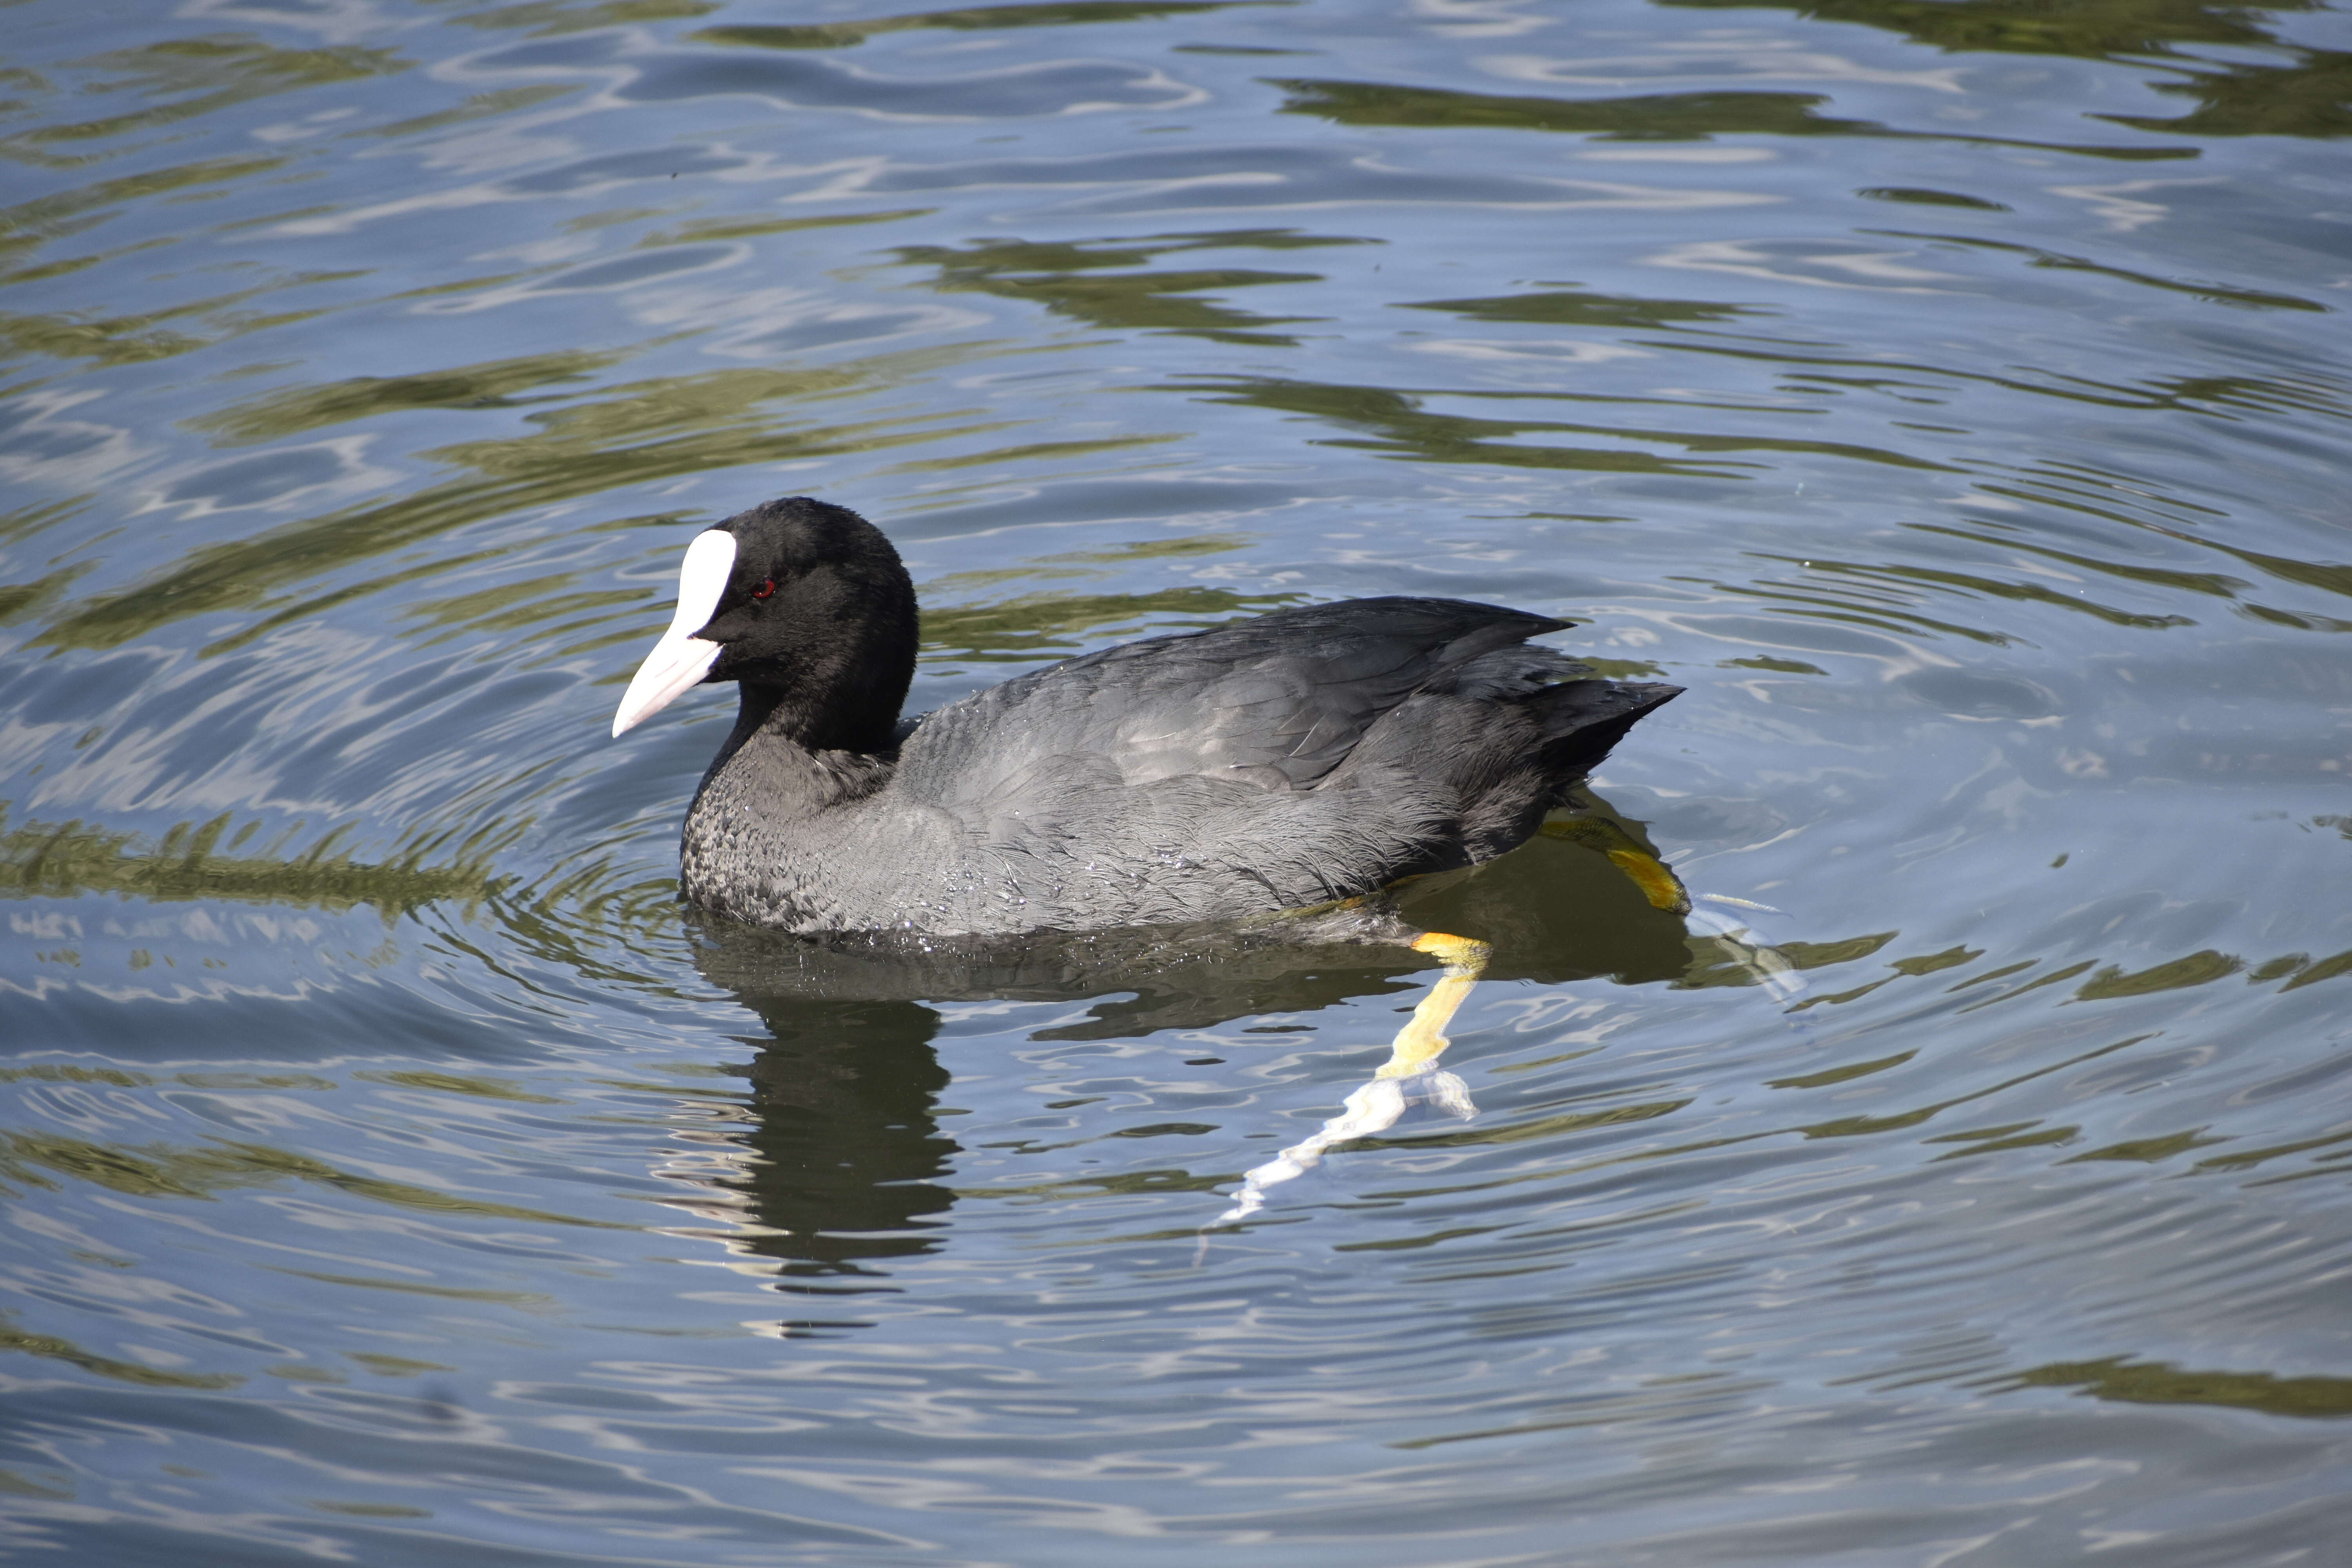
<point x="1953" y="396"/>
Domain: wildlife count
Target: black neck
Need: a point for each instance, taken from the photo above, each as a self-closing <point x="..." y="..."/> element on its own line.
<point x="863" y="724"/>
<point x="775" y="758"/>
<point x="768" y="712"/>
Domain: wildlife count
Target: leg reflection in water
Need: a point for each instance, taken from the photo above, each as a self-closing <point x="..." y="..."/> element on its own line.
<point x="1410" y="1076"/>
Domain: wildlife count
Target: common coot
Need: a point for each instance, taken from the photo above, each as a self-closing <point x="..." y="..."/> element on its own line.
<point x="1305" y="758"/>
<point x="1311" y="756"/>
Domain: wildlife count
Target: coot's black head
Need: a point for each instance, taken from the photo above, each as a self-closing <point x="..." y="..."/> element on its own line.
<point x="807" y="605"/>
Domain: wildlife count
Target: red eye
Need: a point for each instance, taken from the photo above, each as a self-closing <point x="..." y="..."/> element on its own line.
<point x="764" y="589"/>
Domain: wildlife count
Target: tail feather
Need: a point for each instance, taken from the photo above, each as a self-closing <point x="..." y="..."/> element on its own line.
<point x="1582" y="720"/>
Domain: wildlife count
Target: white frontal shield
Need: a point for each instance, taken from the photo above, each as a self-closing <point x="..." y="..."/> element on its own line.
<point x="681" y="659"/>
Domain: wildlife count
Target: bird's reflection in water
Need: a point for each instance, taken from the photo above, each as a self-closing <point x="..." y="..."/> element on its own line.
<point x="846" y="1150"/>
<point x="851" y="1167"/>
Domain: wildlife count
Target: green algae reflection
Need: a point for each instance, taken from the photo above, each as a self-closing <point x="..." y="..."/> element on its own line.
<point x="50" y="1347"/>
<point x="1651" y="117"/>
<point x="1605" y="312"/>
<point x="186" y="78"/>
<point x="574" y="915"/>
<point x="1398" y="424"/>
<point x="27" y="226"/>
<point x="634" y="433"/>
<point x="72" y="859"/>
<point x="202" y="1171"/>
<point x="552" y="18"/>
<point x="2086" y="29"/>
<point x="963" y="19"/>
<point x="1077" y="280"/>
<point x="493" y="383"/>
<point x="2129" y="1382"/>
<point x="2306" y="94"/>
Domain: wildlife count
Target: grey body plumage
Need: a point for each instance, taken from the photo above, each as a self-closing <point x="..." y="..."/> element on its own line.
<point x="1313" y="754"/>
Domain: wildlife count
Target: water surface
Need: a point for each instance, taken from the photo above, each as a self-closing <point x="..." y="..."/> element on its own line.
<point x="1951" y="396"/>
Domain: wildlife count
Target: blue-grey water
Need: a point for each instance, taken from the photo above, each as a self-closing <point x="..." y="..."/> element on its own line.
<point x="1954" y="396"/>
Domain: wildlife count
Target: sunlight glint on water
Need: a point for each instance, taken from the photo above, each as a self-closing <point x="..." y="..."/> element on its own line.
<point x="1952" y="398"/>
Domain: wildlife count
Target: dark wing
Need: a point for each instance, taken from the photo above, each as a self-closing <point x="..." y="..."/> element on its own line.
<point x="1277" y="701"/>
